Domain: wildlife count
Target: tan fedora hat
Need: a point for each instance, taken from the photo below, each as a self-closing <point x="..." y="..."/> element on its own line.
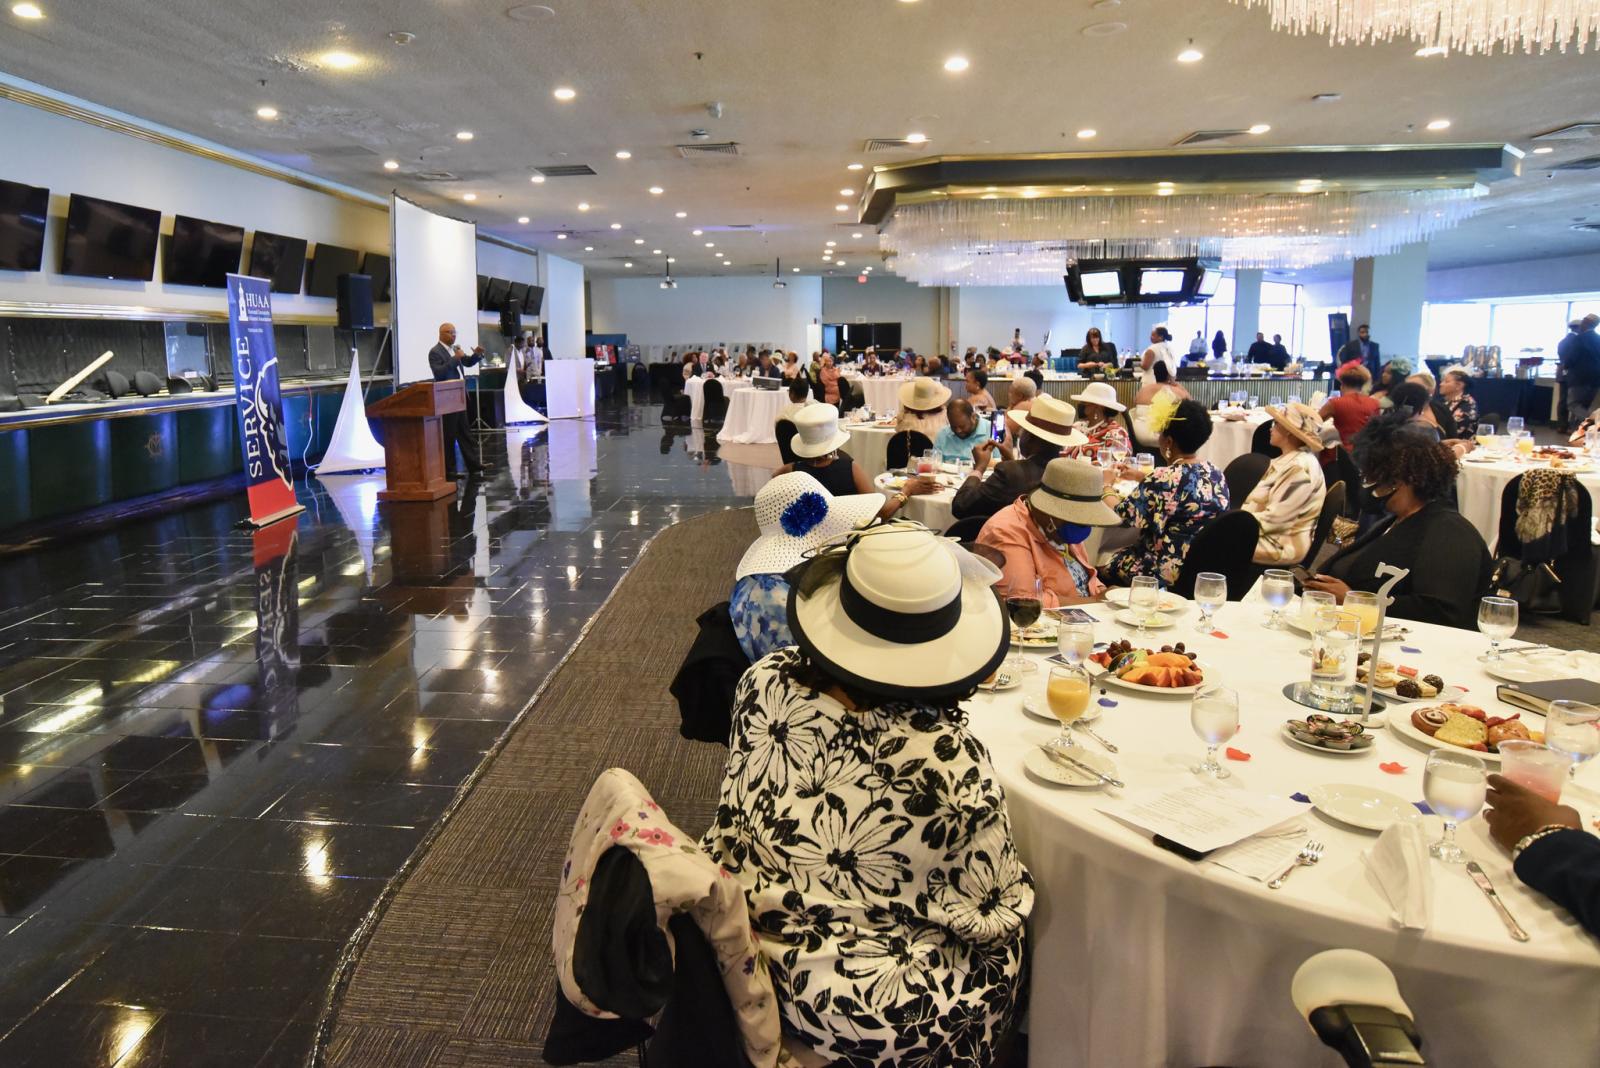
<point x="1050" y="419"/>
<point x="924" y="395"/>
<point x="1301" y="421"/>
<point x="1071" y="491"/>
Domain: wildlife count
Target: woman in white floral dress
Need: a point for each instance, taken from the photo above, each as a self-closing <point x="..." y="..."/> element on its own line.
<point x="864" y="821"/>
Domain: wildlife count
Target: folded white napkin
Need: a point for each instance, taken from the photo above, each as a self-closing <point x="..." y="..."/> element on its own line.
<point x="1398" y="865"/>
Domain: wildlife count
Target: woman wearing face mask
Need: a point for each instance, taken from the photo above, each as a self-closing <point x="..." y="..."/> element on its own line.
<point x="1042" y="534"/>
<point x="1412" y="474"/>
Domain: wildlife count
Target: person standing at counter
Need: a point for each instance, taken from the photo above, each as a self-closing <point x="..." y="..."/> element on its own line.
<point x="1260" y="350"/>
<point x="1362" y="349"/>
<point x="1096" y="354"/>
<point x="1197" y="346"/>
<point x="1579" y="353"/>
<point x="1280" y="354"/>
<point x="447" y="362"/>
<point x="1219" y="347"/>
<point x="1159" y="354"/>
<point x="978" y="391"/>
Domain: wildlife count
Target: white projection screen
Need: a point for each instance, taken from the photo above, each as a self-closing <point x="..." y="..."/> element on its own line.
<point x="435" y="281"/>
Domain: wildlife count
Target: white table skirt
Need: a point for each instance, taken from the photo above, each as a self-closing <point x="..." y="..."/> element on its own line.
<point x="869" y="447"/>
<point x="932" y="510"/>
<point x="1478" y="489"/>
<point x="1142" y="958"/>
<point x="752" y="417"/>
<point x="695" y="390"/>
<point x="882" y="392"/>
<point x="1230" y="439"/>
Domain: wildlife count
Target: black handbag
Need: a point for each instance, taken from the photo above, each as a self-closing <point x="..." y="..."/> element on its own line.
<point x="1535" y="587"/>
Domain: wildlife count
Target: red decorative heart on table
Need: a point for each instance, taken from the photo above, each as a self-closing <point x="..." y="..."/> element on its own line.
<point x="1393" y="768"/>
<point x="1218" y="634"/>
<point x="1235" y="754"/>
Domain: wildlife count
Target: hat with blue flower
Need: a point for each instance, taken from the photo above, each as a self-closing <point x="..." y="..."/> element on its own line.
<point x="796" y="514"/>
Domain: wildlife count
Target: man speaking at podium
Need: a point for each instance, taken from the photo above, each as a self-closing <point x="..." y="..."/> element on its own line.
<point x="446" y="359"/>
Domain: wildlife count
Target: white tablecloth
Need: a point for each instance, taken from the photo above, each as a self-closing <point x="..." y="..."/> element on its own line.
<point x="882" y="392"/>
<point x="1141" y="958"/>
<point x="752" y="416"/>
<point x="1230" y="438"/>
<point x="932" y="510"/>
<point x="1478" y="489"/>
<point x="695" y="390"/>
<point x="869" y="447"/>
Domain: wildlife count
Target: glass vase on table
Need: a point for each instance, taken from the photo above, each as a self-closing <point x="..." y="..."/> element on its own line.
<point x="1024" y="602"/>
<point x="1497" y="621"/>
<point x="1335" y="648"/>
<point x="1453" y="785"/>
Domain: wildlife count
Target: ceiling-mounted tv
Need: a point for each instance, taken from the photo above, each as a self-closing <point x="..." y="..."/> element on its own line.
<point x="483" y="289"/>
<point x="376" y="266"/>
<point x="105" y="239"/>
<point x="535" y="302"/>
<point x="201" y="253"/>
<point x="1101" y="283"/>
<point x="22" y="216"/>
<point x="516" y="295"/>
<point x="1181" y="280"/>
<point x="280" y="259"/>
<point x="495" y="298"/>
<point x="328" y="262"/>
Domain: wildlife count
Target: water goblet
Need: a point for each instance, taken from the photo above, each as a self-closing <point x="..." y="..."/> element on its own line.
<point x="1143" y="597"/>
<point x="1572" y="728"/>
<point x="1453" y="785"/>
<point x="1075" y="642"/>
<point x="1210" y="593"/>
<point x="1277" y="587"/>
<point x="1214" y="715"/>
<point x="1497" y="621"/>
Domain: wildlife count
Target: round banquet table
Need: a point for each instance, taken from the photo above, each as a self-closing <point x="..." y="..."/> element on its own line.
<point x="752" y="417"/>
<point x="1140" y="957"/>
<point x="869" y="447"/>
<point x="881" y="392"/>
<point x="1230" y="439"/>
<point x="1479" y="485"/>
<point x="932" y="510"/>
<point x="695" y="390"/>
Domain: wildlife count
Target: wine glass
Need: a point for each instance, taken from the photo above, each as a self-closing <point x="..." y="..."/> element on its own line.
<point x="1275" y="402"/>
<point x="1514" y="425"/>
<point x="1497" y="620"/>
<point x="1024" y="601"/>
<point x="1316" y="615"/>
<point x="1591" y="441"/>
<point x="1255" y="402"/>
<point x="1453" y="785"/>
<point x="1075" y="641"/>
<point x="1143" y="597"/>
<point x="1214" y="715"/>
<point x="1210" y="593"/>
<point x="1524" y="445"/>
<point x="1120" y="457"/>
<point x="1485" y="435"/>
<point x="1145" y="463"/>
<point x="1572" y="729"/>
<point x="1067" y="693"/>
<point x="1105" y="458"/>
<point x="1364" y="606"/>
<point x="1277" y="587"/>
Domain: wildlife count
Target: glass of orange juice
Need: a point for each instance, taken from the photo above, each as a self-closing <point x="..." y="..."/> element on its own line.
<point x="1485" y="435"/>
<point x="1364" y="606"/>
<point x="1067" y="693"/>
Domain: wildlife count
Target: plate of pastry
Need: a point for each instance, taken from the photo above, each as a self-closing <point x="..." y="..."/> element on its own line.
<point x="1404" y="683"/>
<point x="1169" y="671"/>
<point x="1325" y="734"/>
<point x="1459" y="726"/>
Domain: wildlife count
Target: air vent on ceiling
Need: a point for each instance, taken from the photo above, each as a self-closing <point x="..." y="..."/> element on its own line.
<point x="892" y="144"/>
<point x="341" y="152"/>
<point x="1587" y="227"/>
<point x="735" y="226"/>
<point x="722" y="148"/>
<point x="1588" y="163"/>
<point x="565" y="170"/>
<point x="1200" y="136"/>
<point x="1578" y="131"/>
<point x="435" y="176"/>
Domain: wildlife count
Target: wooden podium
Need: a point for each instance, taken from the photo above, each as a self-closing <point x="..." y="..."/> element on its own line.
<point x="413" y="441"/>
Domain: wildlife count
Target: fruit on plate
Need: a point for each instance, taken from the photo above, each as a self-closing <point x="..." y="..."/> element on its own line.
<point x="1468" y="726"/>
<point x="1167" y="668"/>
<point x="1329" y="733"/>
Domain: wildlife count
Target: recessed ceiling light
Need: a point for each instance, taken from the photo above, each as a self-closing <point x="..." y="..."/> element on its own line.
<point x="656" y="190"/>
<point x="847" y="192"/>
<point x="682" y="214"/>
<point x="1086" y="133"/>
<point x="623" y="153"/>
<point x="839" y="263"/>
<point x="339" y="60"/>
<point x="841" y="207"/>
<point x="627" y="265"/>
<point x="832" y="244"/>
<point x="391" y="164"/>
<point x="672" y="259"/>
<point x="1259" y="128"/>
<point x="561" y="237"/>
<point x="718" y="255"/>
<point x="711" y="244"/>
<point x="464" y="135"/>
<point x="916" y="138"/>
<point x="956" y="64"/>
<point x="469" y="196"/>
<point x="796" y="270"/>
<point x="655" y="252"/>
<point x="1543" y="150"/>
<point x="1191" y="54"/>
<point x="27" y="11"/>
<point x="522" y="220"/>
<point x="697" y="233"/>
<point x="1439" y="124"/>
<point x="588" y="248"/>
<point x="855" y="166"/>
<point x="1433" y="50"/>
<point x="616" y="226"/>
<point x="266" y="111"/>
<point x="638" y="241"/>
<point x="583" y="205"/>
<point x="856" y="236"/>
<point x="565" y="94"/>
<point x="537" y="179"/>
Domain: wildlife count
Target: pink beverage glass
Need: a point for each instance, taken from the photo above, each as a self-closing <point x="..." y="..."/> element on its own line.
<point x="1538" y="767"/>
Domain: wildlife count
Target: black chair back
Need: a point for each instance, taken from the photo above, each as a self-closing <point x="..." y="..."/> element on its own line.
<point x="676" y="408"/>
<point x="714" y="407"/>
<point x="1332" y="507"/>
<point x="1261" y="441"/>
<point x="1225" y="545"/>
<point x="906" y="444"/>
<point x="852" y="395"/>
<point x="1344" y="470"/>
<point x="967" y="529"/>
<point x="784" y="431"/>
<point x="1242" y="474"/>
<point x="1495" y="419"/>
<point x="1576" y="568"/>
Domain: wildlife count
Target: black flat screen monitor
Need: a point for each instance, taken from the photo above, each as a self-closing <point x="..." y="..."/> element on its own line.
<point x="1209" y="282"/>
<point x="376" y="266"/>
<point x="495" y="298"/>
<point x="201" y="253"/>
<point x="517" y="295"/>
<point x="1157" y="282"/>
<point x="483" y="290"/>
<point x="1101" y="283"/>
<point x="535" y="302"/>
<point x="22" y="215"/>
<point x="280" y="259"/>
<point x="328" y="262"/>
<point x="105" y="239"/>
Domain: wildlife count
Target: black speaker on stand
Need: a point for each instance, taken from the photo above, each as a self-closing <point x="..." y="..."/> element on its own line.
<point x="355" y="302"/>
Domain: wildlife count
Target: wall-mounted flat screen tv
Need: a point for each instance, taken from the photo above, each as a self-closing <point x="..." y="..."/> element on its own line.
<point x="280" y="259"/>
<point x="1102" y="283"/>
<point x="483" y="289"/>
<point x="22" y="215"/>
<point x="376" y="266"/>
<point x="535" y="302"/>
<point x="201" y="253"/>
<point x="495" y="298"/>
<point x="328" y="262"/>
<point x="516" y="295"/>
<point x="105" y="239"/>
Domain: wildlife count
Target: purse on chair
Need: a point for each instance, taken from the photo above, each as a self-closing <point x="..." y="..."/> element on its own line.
<point x="1535" y="587"/>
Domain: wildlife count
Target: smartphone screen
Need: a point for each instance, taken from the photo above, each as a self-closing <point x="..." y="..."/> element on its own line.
<point x="997" y="427"/>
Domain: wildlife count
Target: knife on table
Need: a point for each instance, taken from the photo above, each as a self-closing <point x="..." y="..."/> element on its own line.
<point x="1073" y="762"/>
<point x="1478" y="876"/>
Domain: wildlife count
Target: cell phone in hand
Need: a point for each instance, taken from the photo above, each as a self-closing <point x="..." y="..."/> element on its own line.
<point x="997" y="428"/>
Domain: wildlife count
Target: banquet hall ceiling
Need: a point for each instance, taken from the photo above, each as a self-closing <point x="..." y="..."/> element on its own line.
<point x="802" y="85"/>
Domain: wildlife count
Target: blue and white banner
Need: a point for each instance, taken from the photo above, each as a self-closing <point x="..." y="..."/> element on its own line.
<point x="255" y="383"/>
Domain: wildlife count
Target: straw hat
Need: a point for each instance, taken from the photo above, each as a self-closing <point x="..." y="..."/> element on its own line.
<point x="904" y="613"/>
<point x="924" y="395"/>
<point x="1050" y="419"/>
<point x="817" y="431"/>
<point x="1070" y="491"/>
<point x="796" y="514"/>
<point x="1301" y="421"/>
<point x="1101" y="393"/>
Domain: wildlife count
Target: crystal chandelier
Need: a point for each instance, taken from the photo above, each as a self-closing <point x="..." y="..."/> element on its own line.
<point x="1470" y="26"/>
<point x="1028" y="241"/>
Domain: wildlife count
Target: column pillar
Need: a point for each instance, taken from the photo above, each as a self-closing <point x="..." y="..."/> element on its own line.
<point x="1246" y="308"/>
<point x="1386" y="293"/>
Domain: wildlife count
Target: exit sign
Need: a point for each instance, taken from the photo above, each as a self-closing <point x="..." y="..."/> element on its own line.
<point x="861" y="279"/>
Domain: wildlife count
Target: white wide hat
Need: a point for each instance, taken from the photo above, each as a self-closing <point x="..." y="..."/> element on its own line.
<point x="1101" y="393"/>
<point x="796" y="514"/>
<point x="901" y="612"/>
<point x="1050" y="419"/>
<point x="817" y="431"/>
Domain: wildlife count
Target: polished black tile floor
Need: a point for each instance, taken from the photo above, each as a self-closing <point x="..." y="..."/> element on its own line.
<point x="216" y="747"/>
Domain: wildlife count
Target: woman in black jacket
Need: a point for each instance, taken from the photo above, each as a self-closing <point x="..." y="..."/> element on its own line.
<point x="1413" y="474"/>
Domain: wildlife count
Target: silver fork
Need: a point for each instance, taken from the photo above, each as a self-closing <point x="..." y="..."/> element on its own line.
<point x="1309" y="855"/>
<point x="1090" y="731"/>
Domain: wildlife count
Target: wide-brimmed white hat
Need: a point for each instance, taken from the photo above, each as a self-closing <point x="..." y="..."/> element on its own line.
<point x="1071" y="491"/>
<point x="902" y="612"/>
<point x="1101" y="393"/>
<point x="796" y="514"/>
<point x="817" y="431"/>
<point x="1050" y="419"/>
<point x="924" y="395"/>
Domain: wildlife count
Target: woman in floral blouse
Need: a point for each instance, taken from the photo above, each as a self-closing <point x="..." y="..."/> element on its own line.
<point x="863" y="820"/>
<point x="1171" y="504"/>
<point x="1459" y="403"/>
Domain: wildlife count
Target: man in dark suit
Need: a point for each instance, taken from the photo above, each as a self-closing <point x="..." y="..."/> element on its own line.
<point x="1046" y="429"/>
<point x="446" y="359"/>
<point x="1260" y="350"/>
<point x="1364" y="350"/>
<point x="1280" y="353"/>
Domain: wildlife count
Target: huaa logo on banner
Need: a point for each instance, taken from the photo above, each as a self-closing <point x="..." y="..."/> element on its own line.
<point x="255" y="384"/>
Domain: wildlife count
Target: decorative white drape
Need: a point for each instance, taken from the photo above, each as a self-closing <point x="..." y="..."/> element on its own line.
<point x="1470" y="26"/>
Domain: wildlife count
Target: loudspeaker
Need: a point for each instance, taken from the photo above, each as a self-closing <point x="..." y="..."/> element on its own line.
<point x="146" y="384"/>
<point x="510" y="321"/>
<point x="355" y="302"/>
<point x="113" y="384"/>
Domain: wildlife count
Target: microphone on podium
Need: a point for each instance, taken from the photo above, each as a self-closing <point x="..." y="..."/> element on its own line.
<point x="1353" y="1004"/>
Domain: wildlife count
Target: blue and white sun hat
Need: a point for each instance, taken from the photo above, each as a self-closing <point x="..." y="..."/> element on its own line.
<point x="796" y="514"/>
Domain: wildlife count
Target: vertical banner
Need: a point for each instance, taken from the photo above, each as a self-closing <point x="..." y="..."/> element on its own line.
<point x="277" y="629"/>
<point x="255" y="384"/>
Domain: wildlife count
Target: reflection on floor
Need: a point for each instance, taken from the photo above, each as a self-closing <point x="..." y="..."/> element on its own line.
<point x="215" y="747"/>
